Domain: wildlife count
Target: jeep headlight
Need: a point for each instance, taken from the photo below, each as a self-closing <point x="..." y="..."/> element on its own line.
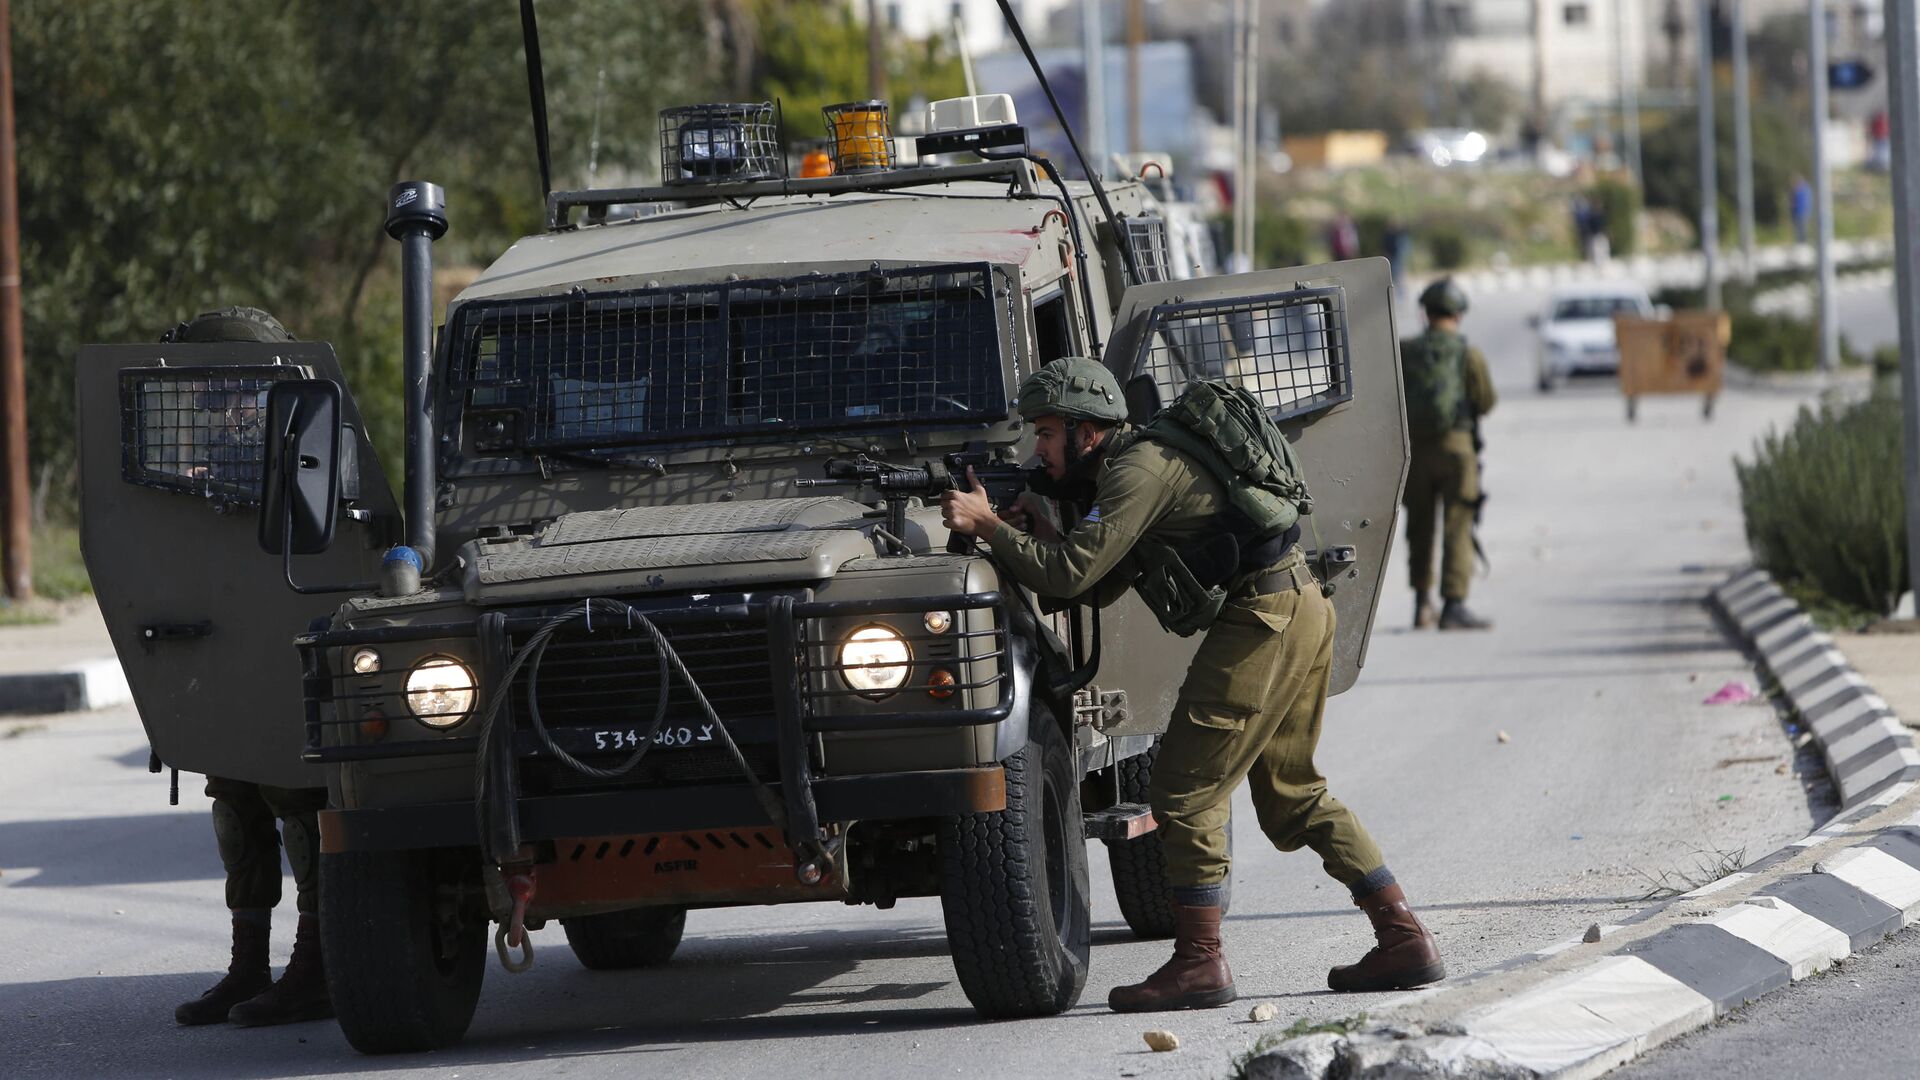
<point x="875" y="659"/>
<point x="440" y="691"/>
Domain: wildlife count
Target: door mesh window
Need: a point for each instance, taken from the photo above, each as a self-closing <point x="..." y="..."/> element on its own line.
<point x="197" y="430"/>
<point x="1288" y="349"/>
<point x="819" y="352"/>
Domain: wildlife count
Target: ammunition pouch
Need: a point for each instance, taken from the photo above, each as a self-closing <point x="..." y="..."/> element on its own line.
<point x="1177" y="599"/>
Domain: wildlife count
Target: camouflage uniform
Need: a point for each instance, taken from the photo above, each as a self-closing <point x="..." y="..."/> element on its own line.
<point x="1446" y="470"/>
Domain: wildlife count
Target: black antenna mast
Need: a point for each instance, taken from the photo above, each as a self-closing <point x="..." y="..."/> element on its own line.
<point x="537" y="90"/>
<point x="1099" y="191"/>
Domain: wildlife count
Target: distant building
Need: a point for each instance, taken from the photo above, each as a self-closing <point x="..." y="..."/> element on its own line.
<point x="1171" y="119"/>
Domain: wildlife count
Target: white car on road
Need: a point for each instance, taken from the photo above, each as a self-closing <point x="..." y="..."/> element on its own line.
<point x="1576" y="329"/>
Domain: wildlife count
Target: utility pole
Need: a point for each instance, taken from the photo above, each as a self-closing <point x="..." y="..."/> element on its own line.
<point x="1903" y="111"/>
<point x="1628" y="73"/>
<point x="1093" y="61"/>
<point x="15" y="499"/>
<point x="1242" y="250"/>
<point x="1250" y="104"/>
<point x="965" y="52"/>
<point x="1136" y="37"/>
<point x="1822" y="182"/>
<point x="1709" y="182"/>
<point x="876" y="54"/>
<point x="1742" y="136"/>
<point x="1538" y="25"/>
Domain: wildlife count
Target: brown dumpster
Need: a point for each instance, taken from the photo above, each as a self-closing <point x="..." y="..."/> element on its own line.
<point x="1683" y="354"/>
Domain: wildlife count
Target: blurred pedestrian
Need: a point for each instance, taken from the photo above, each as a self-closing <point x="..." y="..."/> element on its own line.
<point x="1801" y="207"/>
<point x="1448" y="390"/>
<point x="1399" y="244"/>
<point x="1343" y="238"/>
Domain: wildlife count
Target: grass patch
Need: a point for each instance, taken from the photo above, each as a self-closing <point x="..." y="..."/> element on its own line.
<point x="58" y="571"/>
<point x="1708" y="867"/>
<point x="24" y="615"/>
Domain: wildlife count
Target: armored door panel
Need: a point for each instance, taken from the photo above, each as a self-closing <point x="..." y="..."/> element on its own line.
<point x="1318" y="346"/>
<point x="171" y="455"/>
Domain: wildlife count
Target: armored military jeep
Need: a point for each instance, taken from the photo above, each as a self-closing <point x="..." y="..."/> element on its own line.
<point x="667" y="618"/>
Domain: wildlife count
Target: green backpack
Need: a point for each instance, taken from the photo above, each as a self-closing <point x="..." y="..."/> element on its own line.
<point x="1434" y="368"/>
<point x="1227" y="432"/>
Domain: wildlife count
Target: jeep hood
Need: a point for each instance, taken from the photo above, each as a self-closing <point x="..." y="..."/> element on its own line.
<point x="645" y="548"/>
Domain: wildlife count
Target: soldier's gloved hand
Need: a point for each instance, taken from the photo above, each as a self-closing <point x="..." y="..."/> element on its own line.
<point x="968" y="512"/>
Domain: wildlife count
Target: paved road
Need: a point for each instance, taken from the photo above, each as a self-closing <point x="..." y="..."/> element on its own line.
<point x="1854" y="1020"/>
<point x="1604" y="538"/>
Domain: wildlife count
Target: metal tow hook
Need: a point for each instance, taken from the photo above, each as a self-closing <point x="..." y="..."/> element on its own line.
<point x="513" y="933"/>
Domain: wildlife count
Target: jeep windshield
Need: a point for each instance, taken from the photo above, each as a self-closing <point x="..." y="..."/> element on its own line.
<point x="587" y="371"/>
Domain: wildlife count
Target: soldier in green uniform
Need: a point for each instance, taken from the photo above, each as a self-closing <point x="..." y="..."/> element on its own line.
<point x="1252" y="703"/>
<point x="1448" y="390"/>
<point x="244" y="812"/>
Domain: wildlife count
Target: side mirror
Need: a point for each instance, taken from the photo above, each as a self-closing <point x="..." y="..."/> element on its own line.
<point x="300" y="495"/>
<point x="1143" y="398"/>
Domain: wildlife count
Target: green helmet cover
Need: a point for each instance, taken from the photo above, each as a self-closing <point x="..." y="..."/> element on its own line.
<point x="1443" y="297"/>
<point x="1074" y="387"/>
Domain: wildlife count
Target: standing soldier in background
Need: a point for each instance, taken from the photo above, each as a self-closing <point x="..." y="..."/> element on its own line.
<point x="1448" y="390"/>
<point x="1163" y="498"/>
<point x="244" y="812"/>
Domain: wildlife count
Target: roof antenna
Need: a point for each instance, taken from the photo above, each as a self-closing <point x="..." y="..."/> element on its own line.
<point x="1099" y="191"/>
<point x="537" y="90"/>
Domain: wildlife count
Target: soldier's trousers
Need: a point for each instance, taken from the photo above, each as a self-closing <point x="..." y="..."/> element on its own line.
<point x="1442" y="472"/>
<point x="1251" y="708"/>
<point x="243" y="825"/>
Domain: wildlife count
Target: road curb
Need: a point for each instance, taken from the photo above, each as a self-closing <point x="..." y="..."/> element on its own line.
<point x="1583" y="1007"/>
<point x="1866" y="747"/>
<point x="98" y="683"/>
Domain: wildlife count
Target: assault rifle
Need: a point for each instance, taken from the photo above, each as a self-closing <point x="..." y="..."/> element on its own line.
<point x="1002" y="480"/>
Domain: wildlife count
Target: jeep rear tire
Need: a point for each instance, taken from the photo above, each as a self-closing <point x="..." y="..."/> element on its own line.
<point x="1140" y="865"/>
<point x="403" y="966"/>
<point x="1014" y="886"/>
<point x="624" y="940"/>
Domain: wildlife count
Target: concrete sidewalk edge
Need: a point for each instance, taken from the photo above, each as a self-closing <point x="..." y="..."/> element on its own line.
<point x="1583" y="1007"/>
<point x="96" y="683"/>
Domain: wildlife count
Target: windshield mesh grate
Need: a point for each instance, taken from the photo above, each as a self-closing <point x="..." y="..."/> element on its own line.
<point x="1289" y="350"/>
<point x="820" y="352"/>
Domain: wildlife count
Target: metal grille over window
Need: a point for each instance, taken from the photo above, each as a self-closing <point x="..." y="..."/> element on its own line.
<point x="703" y="144"/>
<point x="196" y="430"/>
<point x="1147" y="235"/>
<point x="1289" y="349"/>
<point x="821" y="352"/>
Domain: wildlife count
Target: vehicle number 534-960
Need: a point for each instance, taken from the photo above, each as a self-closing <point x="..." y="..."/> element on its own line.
<point x="630" y="738"/>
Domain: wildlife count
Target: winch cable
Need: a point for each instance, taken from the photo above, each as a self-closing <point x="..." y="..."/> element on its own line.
<point x="530" y="655"/>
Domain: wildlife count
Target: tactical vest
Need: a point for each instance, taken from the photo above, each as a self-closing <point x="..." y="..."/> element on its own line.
<point x="1434" y="369"/>
<point x="1228" y="433"/>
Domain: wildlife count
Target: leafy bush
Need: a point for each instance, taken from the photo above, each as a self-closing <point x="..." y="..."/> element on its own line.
<point x="1280" y="240"/>
<point x="1448" y="246"/>
<point x="1372" y="226"/>
<point x="1824" y="507"/>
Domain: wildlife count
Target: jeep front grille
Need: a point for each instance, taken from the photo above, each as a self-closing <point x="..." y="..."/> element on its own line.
<point x="609" y="678"/>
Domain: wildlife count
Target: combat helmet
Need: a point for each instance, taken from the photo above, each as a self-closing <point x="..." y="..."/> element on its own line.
<point x="1443" y="297"/>
<point x="1074" y="387"/>
<point x="229" y="324"/>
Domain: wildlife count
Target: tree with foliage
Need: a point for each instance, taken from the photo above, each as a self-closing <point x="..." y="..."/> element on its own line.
<point x="178" y="157"/>
<point x="1670" y="156"/>
<point x="813" y="53"/>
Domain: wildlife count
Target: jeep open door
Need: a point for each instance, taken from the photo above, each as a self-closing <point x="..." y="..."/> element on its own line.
<point x="1318" y="346"/>
<point x="171" y="455"/>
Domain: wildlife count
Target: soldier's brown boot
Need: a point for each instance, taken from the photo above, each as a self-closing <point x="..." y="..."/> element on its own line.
<point x="247" y="975"/>
<point x="1405" y="956"/>
<point x="301" y="993"/>
<point x="1424" y="615"/>
<point x="1195" y="978"/>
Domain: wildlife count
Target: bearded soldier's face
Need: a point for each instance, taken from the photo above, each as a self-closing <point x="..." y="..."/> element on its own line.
<point x="1052" y="437"/>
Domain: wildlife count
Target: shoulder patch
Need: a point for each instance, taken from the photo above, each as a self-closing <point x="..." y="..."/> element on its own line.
<point x="1093" y="514"/>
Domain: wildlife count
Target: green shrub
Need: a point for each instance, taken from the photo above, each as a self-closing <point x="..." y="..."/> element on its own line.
<point x="1448" y="245"/>
<point x="1620" y="202"/>
<point x="1774" y="342"/>
<point x="1824" y="506"/>
<point x="1372" y="227"/>
<point x="1280" y="240"/>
